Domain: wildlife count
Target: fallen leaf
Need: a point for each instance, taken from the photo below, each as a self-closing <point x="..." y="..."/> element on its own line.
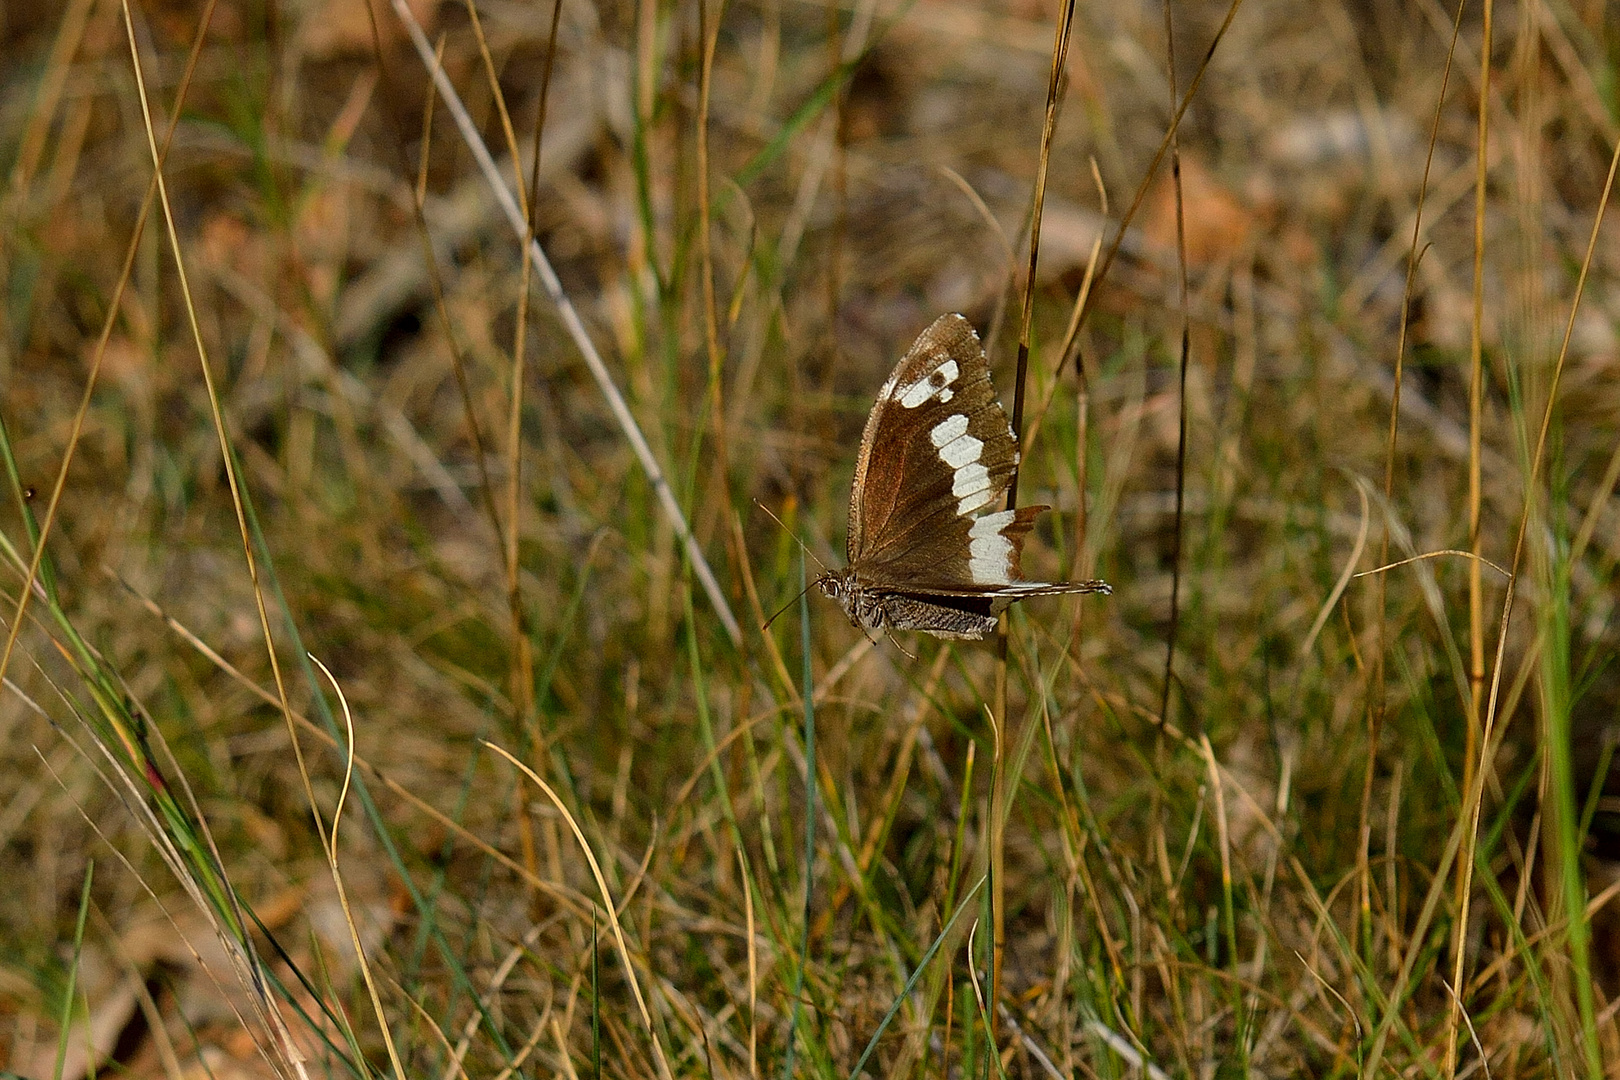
<point x="1218" y="223"/>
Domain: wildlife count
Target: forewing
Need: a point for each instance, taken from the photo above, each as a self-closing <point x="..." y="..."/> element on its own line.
<point x="936" y="450"/>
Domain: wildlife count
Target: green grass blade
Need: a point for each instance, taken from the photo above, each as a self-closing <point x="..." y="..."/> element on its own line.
<point x="922" y="966"/>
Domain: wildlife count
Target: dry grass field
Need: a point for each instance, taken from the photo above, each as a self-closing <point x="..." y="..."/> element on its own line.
<point x="385" y="688"/>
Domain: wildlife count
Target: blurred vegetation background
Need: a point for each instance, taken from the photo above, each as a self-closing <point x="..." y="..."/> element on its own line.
<point x="1367" y="826"/>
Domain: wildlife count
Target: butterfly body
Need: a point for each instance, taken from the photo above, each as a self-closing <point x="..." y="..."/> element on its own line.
<point x="937" y="450"/>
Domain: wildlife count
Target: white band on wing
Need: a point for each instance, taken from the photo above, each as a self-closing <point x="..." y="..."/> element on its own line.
<point x="990" y="553"/>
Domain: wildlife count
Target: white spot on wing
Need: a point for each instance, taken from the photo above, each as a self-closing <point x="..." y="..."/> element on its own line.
<point x="935" y="384"/>
<point x="914" y="394"/>
<point x="990" y="553"/>
<point x="968" y="504"/>
<point x="961" y="451"/>
<point x="948" y="429"/>
<point x="970" y="479"/>
<point x="957" y="449"/>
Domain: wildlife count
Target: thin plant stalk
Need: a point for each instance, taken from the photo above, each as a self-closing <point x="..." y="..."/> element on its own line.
<point x="999" y="793"/>
<point x="576" y="328"/>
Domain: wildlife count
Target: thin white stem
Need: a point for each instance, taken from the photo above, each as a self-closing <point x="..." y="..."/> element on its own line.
<point x="571" y="320"/>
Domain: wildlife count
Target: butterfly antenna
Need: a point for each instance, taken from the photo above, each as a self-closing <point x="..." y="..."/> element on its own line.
<point x="824" y="568"/>
<point x="791" y="602"/>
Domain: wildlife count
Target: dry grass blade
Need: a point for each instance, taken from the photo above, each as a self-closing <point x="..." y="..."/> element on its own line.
<point x="19" y="177"/>
<point x="1000" y="797"/>
<point x="608" y="906"/>
<point x="331" y="844"/>
<point x="574" y="325"/>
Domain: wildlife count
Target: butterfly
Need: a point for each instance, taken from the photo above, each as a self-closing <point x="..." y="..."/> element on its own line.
<point x="937" y="449"/>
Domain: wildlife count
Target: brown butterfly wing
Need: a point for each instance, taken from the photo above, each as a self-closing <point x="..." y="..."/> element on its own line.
<point x="937" y="449"/>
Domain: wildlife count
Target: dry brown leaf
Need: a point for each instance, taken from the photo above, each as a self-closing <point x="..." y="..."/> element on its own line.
<point x="1219" y="223"/>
